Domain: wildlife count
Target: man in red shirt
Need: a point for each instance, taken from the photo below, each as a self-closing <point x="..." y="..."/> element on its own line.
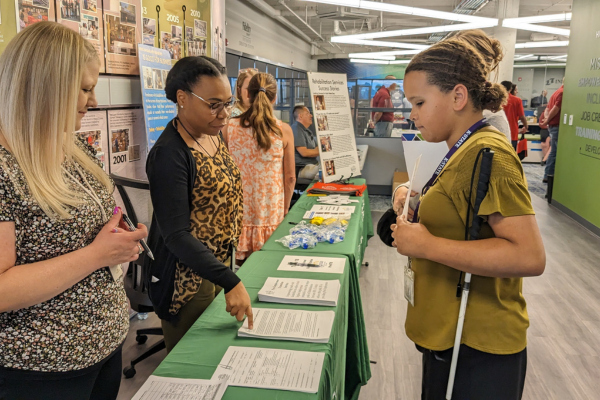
<point x="552" y="116"/>
<point x="514" y="112"/>
<point x="384" y="121"/>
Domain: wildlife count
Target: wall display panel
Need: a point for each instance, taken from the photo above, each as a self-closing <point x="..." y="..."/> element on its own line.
<point x="123" y="31"/>
<point x="94" y="131"/>
<point x="127" y="143"/>
<point x="31" y="11"/>
<point x="8" y="24"/>
<point x="218" y="30"/>
<point x="578" y="157"/>
<point x="179" y="27"/>
<point x="85" y="17"/>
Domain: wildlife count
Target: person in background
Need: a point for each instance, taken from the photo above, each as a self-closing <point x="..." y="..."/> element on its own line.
<point x="406" y="114"/>
<point x="515" y="90"/>
<point x="63" y="309"/>
<point x="551" y="117"/>
<point x="196" y="192"/>
<point x="305" y="141"/>
<point x="447" y="85"/>
<point x="491" y="51"/>
<point x="263" y="149"/>
<point x="540" y="100"/>
<point x="514" y="113"/>
<point x="241" y="91"/>
<point x="384" y="121"/>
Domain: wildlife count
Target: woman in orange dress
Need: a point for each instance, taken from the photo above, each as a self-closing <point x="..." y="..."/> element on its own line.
<point x="263" y="149"/>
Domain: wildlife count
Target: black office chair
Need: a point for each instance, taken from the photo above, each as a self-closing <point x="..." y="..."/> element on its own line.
<point x="300" y="186"/>
<point x="135" y="197"/>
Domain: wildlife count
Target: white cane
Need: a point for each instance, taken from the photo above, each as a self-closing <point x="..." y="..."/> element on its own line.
<point x="482" y="188"/>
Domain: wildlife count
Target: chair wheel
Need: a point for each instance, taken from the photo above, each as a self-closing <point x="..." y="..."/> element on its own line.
<point x="129" y="372"/>
<point x="141" y="339"/>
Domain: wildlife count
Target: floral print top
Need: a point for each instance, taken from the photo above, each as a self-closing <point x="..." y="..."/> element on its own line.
<point x="82" y="325"/>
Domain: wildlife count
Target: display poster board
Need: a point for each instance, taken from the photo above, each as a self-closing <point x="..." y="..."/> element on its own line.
<point x="31" y="11"/>
<point x="122" y="31"/>
<point x="94" y="131"/>
<point x="127" y="143"/>
<point x="8" y="24"/>
<point x="85" y="17"/>
<point x="179" y="27"/>
<point x="158" y="110"/>
<point x="333" y="123"/>
<point x="217" y="13"/>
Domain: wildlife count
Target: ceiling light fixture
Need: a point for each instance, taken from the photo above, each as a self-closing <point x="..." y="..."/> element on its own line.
<point x="348" y="39"/>
<point x="371" y="55"/>
<point x="552" y="43"/>
<point x="539" y="65"/>
<point x="379" y="54"/>
<point x="527" y="23"/>
<point x="541" y="18"/>
<point x="365" y="61"/>
<point x="521" y="57"/>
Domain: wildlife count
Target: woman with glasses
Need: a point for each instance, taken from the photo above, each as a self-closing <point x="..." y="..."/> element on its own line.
<point x="196" y="193"/>
<point x="263" y="148"/>
<point x="241" y="91"/>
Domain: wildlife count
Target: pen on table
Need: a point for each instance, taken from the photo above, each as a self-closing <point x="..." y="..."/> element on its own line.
<point x="133" y="228"/>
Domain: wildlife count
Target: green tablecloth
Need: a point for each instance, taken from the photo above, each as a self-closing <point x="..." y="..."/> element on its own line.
<point x="360" y="230"/>
<point x="202" y="348"/>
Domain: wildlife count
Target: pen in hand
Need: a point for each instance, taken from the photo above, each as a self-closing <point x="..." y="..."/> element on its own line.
<point x="133" y="228"/>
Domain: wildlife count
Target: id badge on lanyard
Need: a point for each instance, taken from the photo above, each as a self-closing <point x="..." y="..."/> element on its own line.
<point x="409" y="273"/>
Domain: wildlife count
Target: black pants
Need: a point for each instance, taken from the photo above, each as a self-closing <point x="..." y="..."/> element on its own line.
<point x="479" y="375"/>
<point x="101" y="381"/>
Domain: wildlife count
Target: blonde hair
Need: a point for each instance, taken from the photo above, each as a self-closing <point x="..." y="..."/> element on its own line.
<point x="262" y="91"/>
<point x="40" y="79"/>
<point x="248" y="73"/>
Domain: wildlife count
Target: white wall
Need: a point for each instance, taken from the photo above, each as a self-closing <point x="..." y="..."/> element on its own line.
<point x="266" y="37"/>
<point x="534" y="80"/>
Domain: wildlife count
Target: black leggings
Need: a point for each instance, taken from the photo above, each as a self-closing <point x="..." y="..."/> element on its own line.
<point x="101" y="381"/>
<point x="479" y="375"/>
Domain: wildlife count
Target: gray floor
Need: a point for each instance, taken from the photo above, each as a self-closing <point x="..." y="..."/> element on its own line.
<point x="563" y="304"/>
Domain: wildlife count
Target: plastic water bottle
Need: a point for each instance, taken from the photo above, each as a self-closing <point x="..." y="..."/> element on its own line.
<point x="142" y="315"/>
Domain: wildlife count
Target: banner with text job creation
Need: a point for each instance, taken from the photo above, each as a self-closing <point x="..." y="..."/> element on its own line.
<point x="578" y="158"/>
<point x="333" y="123"/>
<point x="155" y="65"/>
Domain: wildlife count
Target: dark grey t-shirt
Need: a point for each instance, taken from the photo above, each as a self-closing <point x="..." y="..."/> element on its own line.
<point x="303" y="137"/>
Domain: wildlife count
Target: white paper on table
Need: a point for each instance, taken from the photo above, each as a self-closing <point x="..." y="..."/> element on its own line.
<point x="300" y="291"/>
<point x="332" y="265"/>
<point x="333" y="209"/>
<point x="298" y="371"/>
<point x="432" y="155"/>
<point x="410" y="186"/>
<point x="158" y="388"/>
<point x="296" y="325"/>
<point x="325" y="215"/>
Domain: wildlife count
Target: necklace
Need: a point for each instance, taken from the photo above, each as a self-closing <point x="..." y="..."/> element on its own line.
<point x="198" y="143"/>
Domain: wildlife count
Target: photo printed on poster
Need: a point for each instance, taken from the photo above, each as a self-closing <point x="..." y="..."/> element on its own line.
<point x="123" y="31"/>
<point x="94" y="129"/>
<point x="127" y="143"/>
<point x="31" y="11"/>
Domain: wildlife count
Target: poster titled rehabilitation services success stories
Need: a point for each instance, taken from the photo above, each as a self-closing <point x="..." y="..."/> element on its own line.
<point x="85" y="17"/>
<point x="333" y="122"/>
<point x="123" y="31"/>
<point x="155" y="65"/>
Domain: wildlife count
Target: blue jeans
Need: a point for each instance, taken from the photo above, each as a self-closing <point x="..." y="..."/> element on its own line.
<point x="383" y="129"/>
<point x="553" y="130"/>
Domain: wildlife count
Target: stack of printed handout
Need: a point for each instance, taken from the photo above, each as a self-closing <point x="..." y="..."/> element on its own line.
<point x="300" y="291"/>
<point x="295" y="325"/>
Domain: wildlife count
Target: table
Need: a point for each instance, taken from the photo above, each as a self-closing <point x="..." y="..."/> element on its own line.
<point x="359" y="231"/>
<point x="202" y="348"/>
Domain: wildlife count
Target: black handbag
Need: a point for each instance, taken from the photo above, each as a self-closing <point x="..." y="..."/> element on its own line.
<point x="384" y="227"/>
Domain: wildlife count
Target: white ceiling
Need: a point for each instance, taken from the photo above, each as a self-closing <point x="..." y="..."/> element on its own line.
<point x="309" y="11"/>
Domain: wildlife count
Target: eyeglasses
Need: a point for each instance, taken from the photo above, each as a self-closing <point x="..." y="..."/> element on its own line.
<point x="247" y="70"/>
<point x="216" y="108"/>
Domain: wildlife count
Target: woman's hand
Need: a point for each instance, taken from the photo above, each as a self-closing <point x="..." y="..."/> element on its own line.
<point x="400" y="198"/>
<point x="410" y="239"/>
<point x="238" y="304"/>
<point x="115" y="244"/>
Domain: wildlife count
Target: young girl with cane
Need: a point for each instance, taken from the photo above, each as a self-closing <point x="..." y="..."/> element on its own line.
<point x="448" y="88"/>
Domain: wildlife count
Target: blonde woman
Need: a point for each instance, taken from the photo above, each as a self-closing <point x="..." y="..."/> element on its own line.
<point x="241" y="91"/>
<point x="63" y="309"/>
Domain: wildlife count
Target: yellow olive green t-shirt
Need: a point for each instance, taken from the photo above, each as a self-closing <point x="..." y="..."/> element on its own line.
<point x="496" y="319"/>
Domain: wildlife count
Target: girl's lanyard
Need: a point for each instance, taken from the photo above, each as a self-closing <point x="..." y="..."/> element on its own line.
<point x="477" y="126"/>
<point x="409" y="274"/>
